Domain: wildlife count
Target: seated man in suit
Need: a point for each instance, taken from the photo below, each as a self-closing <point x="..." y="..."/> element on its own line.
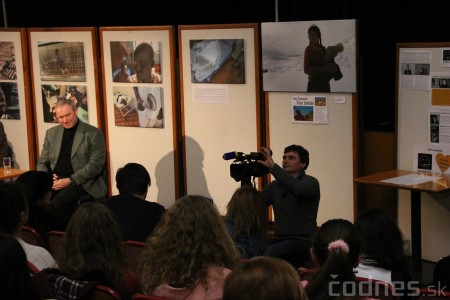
<point x="135" y="215"/>
<point x="75" y="153"/>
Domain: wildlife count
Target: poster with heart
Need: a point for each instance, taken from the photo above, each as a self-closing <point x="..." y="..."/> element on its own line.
<point x="430" y="158"/>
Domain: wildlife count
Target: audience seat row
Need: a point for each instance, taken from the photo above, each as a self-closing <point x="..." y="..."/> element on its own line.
<point x="133" y="251"/>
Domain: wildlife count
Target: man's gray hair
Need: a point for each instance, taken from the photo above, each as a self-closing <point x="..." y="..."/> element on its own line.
<point x="65" y="101"/>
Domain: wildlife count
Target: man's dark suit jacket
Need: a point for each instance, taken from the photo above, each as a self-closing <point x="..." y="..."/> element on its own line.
<point x="137" y="217"/>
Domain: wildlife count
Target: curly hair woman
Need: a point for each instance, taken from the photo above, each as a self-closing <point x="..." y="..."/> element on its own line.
<point x="190" y="253"/>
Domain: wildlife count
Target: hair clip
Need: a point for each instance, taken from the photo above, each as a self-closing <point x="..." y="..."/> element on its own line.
<point x="338" y="244"/>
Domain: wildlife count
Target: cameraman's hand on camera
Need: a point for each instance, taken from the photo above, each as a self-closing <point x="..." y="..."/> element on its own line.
<point x="268" y="162"/>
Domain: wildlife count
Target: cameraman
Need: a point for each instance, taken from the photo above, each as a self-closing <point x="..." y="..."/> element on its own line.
<point x="294" y="197"/>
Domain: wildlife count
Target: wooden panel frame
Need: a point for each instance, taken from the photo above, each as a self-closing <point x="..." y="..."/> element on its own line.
<point x="232" y="124"/>
<point x="44" y="75"/>
<point x="333" y="148"/>
<point x="23" y="157"/>
<point x="127" y="143"/>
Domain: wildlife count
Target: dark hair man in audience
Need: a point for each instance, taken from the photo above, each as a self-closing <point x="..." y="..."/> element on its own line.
<point x="295" y="197"/>
<point x="136" y="216"/>
<point x="75" y="153"/>
<point x="13" y="215"/>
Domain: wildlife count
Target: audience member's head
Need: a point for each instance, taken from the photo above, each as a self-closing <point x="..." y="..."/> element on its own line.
<point x="248" y="212"/>
<point x="441" y="274"/>
<point x="190" y="237"/>
<point x="93" y="241"/>
<point x="133" y="178"/>
<point x="15" y="279"/>
<point x="13" y="207"/>
<point x="335" y="250"/>
<point x="382" y="240"/>
<point x="41" y="186"/>
<point x="246" y="220"/>
<point x="263" y="278"/>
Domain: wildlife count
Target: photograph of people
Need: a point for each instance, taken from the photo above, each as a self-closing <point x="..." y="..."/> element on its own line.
<point x="134" y="61"/>
<point x="321" y="54"/>
<point x="435" y="82"/>
<point x="9" y="101"/>
<point x="303" y="113"/>
<point x="138" y="106"/>
<point x="149" y="106"/>
<point x="407" y="70"/>
<point x="434" y="128"/>
<point x="7" y="61"/>
<point x="422" y="69"/>
<point x="121" y="61"/>
<point x="62" y="61"/>
<point x="52" y="93"/>
<point x="217" y="61"/>
<point x="319" y="63"/>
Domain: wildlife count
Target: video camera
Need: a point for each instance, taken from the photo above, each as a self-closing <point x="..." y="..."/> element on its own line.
<point x="246" y="166"/>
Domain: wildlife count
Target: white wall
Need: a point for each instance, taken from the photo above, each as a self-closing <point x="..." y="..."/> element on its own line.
<point x="212" y="129"/>
<point x="330" y="149"/>
<point x="154" y="148"/>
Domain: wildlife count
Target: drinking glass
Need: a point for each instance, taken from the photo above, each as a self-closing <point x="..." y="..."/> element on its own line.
<point x="7" y="164"/>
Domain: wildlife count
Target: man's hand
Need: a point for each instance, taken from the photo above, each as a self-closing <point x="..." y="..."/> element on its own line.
<point x="59" y="184"/>
<point x="269" y="160"/>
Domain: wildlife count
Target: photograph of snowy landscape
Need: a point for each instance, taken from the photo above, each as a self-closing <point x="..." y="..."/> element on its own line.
<point x="283" y="48"/>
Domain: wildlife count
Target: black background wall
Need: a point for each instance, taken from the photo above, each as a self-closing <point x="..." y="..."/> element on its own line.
<point x="382" y="24"/>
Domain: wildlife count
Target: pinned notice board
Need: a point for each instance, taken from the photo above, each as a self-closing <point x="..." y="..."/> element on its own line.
<point x="421" y="95"/>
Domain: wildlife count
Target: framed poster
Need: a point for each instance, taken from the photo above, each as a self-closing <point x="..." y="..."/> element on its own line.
<point x="220" y="104"/>
<point x="140" y="106"/>
<point x="17" y="115"/>
<point x="64" y="63"/>
<point x="309" y="56"/>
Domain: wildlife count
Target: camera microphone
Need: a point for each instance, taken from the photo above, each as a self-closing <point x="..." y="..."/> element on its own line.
<point x="232" y="155"/>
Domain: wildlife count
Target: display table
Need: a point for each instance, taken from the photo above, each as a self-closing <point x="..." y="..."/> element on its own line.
<point x="13" y="174"/>
<point x="439" y="184"/>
